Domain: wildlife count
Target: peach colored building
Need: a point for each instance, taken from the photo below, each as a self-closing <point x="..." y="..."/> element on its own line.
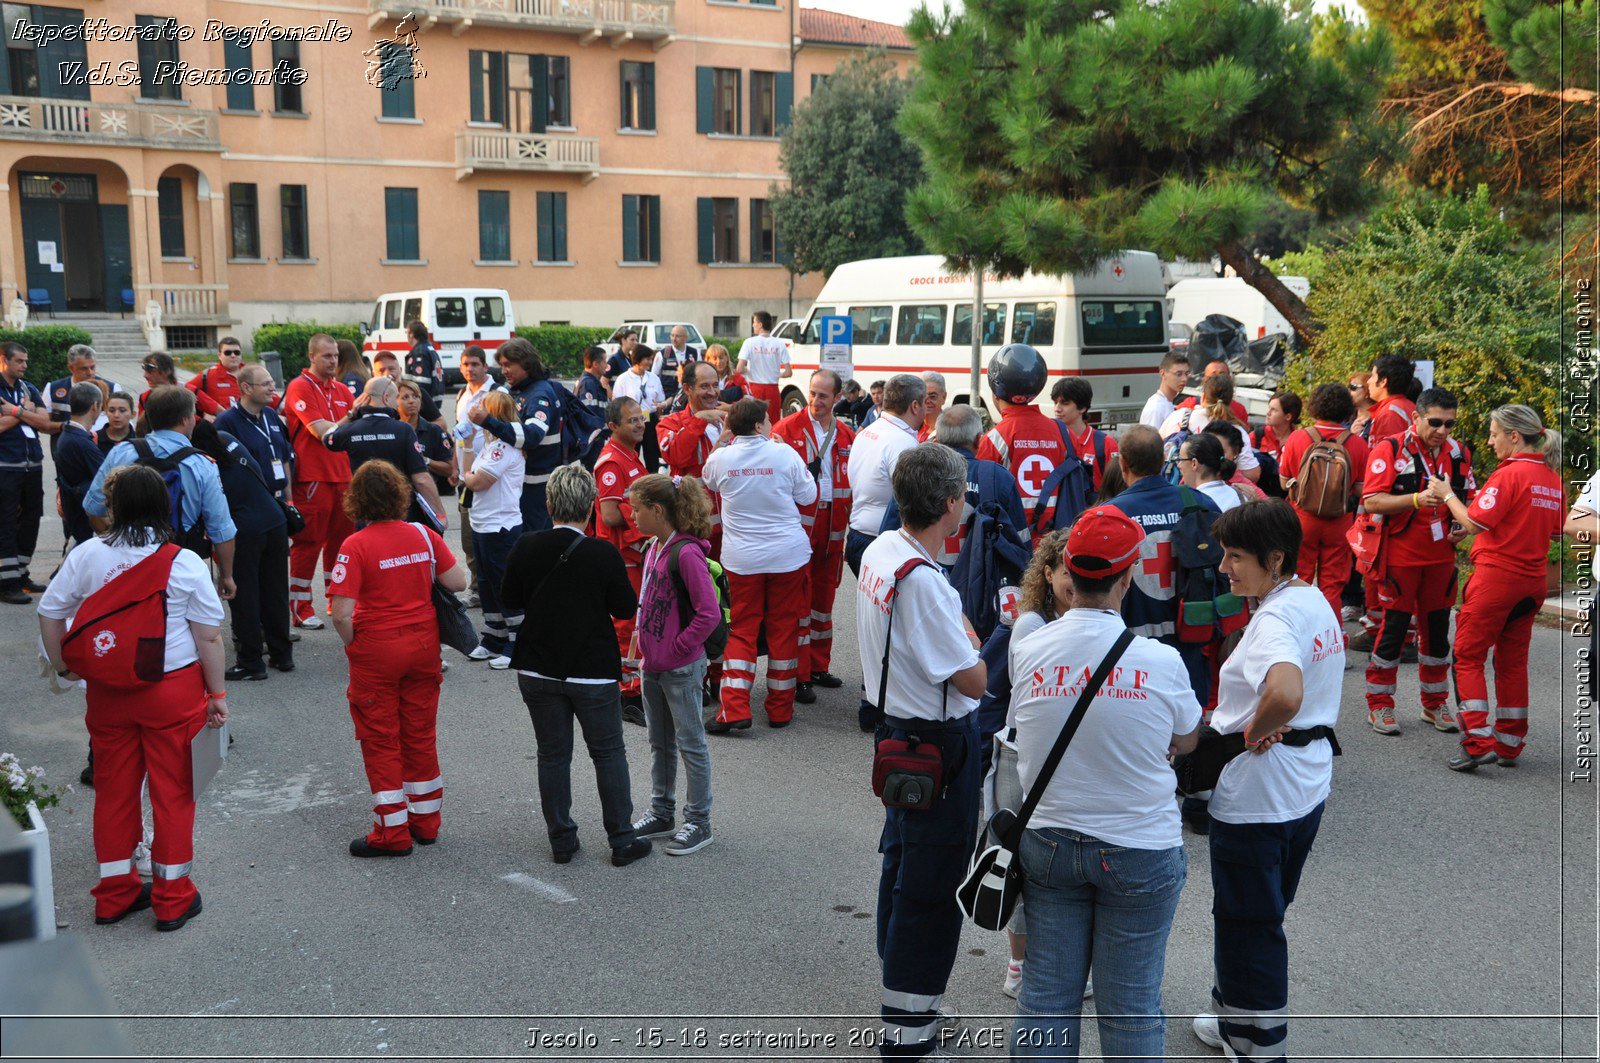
<point x="235" y="162"/>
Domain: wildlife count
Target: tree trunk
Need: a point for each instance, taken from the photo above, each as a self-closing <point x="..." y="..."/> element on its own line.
<point x="1262" y="279"/>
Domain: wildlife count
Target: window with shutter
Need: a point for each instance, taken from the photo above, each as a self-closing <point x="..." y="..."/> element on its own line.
<point x="494" y="226"/>
<point x="400" y="222"/>
<point x="236" y="55"/>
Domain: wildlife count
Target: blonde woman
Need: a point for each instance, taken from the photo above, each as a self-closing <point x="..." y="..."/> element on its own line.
<point x="495" y="481"/>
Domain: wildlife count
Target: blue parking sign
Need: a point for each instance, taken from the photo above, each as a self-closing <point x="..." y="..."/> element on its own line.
<point x="836" y="331"/>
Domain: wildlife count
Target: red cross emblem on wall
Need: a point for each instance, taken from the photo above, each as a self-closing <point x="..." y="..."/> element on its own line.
<point x="1160" y="566"/>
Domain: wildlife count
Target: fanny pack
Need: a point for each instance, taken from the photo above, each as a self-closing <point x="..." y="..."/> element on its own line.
<point x="906" y="772"/>
<point x="1200" y="769"/>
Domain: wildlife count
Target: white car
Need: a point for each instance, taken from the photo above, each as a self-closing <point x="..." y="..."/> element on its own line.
<point x="655" y="335"/>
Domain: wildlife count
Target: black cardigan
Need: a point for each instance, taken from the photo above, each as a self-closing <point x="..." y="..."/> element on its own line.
<point x="567" y="632"/>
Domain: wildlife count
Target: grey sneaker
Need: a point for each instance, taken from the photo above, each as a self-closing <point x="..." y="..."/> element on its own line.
<point x="691" y="838"/>
<point x="653" y="826"/>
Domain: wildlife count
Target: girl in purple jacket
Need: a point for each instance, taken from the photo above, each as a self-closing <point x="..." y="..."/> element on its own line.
<point x="676" y="613"/>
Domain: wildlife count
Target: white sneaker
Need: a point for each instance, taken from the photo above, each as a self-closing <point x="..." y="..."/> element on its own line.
<point x="1209" y="1030"/>
<point x="1013" y="983"/>
<point x="480" y="653"/>
<point x="1351" y="612"/>
<point x="500" y="663"/>
<point x="141" y="859"/>
<point x="311" y="623"/>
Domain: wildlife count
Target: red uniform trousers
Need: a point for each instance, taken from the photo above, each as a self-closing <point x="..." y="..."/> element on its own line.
<point x="1425" y="592"/>
<point x="769" y="394"/>
<point x="630" y="680"/>
<point x="1497" y="612"/>
<point x="134" y="735"/>
<point x="394" y="701"/>
<point x="327" y="527"/>
<point x="1325" y="557"/>
<point x="777" y="600"/>
<point x="823" y="574"/>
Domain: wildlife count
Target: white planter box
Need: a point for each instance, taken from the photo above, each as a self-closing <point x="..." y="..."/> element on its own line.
<point x="44" y="891"/>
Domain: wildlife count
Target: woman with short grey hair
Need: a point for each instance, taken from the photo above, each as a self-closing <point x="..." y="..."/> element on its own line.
<point x="570" y="587"/>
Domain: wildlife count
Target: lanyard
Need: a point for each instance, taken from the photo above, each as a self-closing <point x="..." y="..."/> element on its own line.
<point x="327" y="396"/>
<point x="16" y="393"/>
<point x="1422" y="458"/>
<point x="825" y="447"/>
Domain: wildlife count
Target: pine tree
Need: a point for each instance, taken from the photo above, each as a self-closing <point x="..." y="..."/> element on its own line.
<point x="1057" y="132"/>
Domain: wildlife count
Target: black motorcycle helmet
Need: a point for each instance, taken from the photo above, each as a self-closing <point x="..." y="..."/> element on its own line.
<point x="1017" y="373"/>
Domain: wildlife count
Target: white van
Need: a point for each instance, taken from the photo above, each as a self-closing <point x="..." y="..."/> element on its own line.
<point x="910" y="315"/>
<point x="1191" y="300"/>
<point x="655" y="335"/>
<point x="456" y="318"/>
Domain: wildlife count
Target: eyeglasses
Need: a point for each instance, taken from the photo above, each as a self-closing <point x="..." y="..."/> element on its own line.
<point x="1440" y="422"/>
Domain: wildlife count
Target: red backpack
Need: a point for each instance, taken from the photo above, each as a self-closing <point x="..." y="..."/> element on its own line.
<point x="119" y="637"/>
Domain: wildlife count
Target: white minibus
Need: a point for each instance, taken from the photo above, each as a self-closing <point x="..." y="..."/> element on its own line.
<point x="456" y="318"/>
<point x="910" y="315"/>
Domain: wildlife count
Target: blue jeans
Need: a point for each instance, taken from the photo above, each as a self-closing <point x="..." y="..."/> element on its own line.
<point x="492" y="549"/>
<point x="672" y="702"/>
<point x="1255" y="872"/>
<point x="1091" y="903"/>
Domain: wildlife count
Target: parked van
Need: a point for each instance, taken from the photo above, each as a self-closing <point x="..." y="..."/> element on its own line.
<point x="655" y="335"/>
<point x="456" y="318"/>
<point x="910" y="315"/>
<point x="1193" y="299"/>
<point x="788" y="330"/>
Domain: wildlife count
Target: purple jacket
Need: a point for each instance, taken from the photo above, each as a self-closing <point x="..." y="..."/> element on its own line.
<point x="665" y="642"/>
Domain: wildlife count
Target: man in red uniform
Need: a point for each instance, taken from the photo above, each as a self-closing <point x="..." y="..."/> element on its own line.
<point x="618" y="466"/>
<point x="1072" y="397"/>
<point x="1029" y="444"/>
<point x="1391" y="413"/>
<point x="1325" y="557"/>
<point x="824" y="445"/>
<point x="216" y="388"/>
<point x="313" y="403"/>
<point x="689" y="436"/>
<point x="1418" y="554"/>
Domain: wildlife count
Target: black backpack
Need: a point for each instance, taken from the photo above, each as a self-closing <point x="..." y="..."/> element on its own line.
<point x="1207" y="607"/>
<point x="195" y="537"/>
<point x="717" y="641"/>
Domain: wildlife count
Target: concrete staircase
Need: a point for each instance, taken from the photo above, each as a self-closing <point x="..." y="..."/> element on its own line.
<point x="116" y="338"/>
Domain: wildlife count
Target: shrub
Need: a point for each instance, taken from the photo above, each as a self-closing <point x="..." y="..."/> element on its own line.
<point x="289" y="338"/>
<point x="47" y="349"/>
<point x="561" y="347"/>
<point x="732" y="345"/>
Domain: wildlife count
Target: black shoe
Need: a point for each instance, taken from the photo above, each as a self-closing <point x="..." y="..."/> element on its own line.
<point x="564" y="856"/>
<point x="826" y="680"/>
<point x="165" y="925"/>
<point x="708" y="695"/>
<point x="15" y="596"/>
<point x="86" y="776"/>
<point x="779" y="724"/>
<point x="282" y="666"/>
<point x="868" y="717"/>
<point x="626" y="855"/>
<point x="420" y="840"/>
<point x="633" y="711"/>
<point x="720" y="726"/>
<point x="361" y="847"/>
<point x="239" y="671"/>
<point x="140" y="903"/>
<point x="1464" y="761"/>
<point x="32" y="587"/>
<point x="804" y="695"/>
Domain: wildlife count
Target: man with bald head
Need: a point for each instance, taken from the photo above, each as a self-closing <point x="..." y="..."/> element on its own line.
<point x="313" y="403"/>
<point x="375" y="432"/>
<point x="259" y="429"/>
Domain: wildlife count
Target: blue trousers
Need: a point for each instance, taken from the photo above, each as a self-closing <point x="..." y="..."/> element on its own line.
<point x="492" y="550"/>
<point x="535" y="514"/>
<point x="925" y="855"/>
<point x="1255" y="872"/>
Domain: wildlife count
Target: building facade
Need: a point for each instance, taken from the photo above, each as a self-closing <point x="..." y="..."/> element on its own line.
<point x="237" y="162"/>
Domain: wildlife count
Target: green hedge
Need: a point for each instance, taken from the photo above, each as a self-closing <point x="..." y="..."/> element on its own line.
<point x="47" y="349"/>
<point x="289" y="338"/>
<point x="732" y="345"/>
<point x="561" y="347"/>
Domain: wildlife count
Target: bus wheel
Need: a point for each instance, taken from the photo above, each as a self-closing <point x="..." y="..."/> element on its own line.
<point x="793" y="401"/>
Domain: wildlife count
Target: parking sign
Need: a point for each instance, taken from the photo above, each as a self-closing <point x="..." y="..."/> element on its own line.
<point x="837" y="335"/>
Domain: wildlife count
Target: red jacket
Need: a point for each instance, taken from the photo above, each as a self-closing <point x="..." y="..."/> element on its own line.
<point x="215" y="389"/>
<point x="1030" y="446"/>
<point x="614" y="472"/>
<point x="1391" y="417"/>
<point x="795" y="430"/>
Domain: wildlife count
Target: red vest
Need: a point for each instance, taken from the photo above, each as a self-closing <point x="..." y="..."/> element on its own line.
<point x="795" y="430"/>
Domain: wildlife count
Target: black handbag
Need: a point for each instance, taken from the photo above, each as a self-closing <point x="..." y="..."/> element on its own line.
<point x="989" y="893"/>
<point x="1199" y="770"/>
<point x="294" y="520"/>
<point x="455" y="626"/>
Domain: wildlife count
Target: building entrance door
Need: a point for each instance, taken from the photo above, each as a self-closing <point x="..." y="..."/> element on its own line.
<point x="64" y="243"/>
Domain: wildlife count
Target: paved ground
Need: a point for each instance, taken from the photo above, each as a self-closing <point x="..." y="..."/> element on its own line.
<point x="1441" y="917"/>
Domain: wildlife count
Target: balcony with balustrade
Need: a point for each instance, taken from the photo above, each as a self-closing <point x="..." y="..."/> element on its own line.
<point x="110" y="124"/>
<point x="619" y="21"/>
<point x="499" y="149"/>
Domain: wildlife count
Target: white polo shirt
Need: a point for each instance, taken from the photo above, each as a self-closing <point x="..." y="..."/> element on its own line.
<point x="763" y="485"/>
<point x="1157" y="408"/>
<point x="1114" y="782"/>
<point x="499" y="506"/>
<point x="873" y="455"/>
<point x="930" y="639"/>
<point x="644" y="389"/>
<point x="764" y="357"/>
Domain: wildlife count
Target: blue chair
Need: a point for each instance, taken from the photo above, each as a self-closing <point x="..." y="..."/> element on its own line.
<point x="39" y="300"/>
<point x="127" y="300"/>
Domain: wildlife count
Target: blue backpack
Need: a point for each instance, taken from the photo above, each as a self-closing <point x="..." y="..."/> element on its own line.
<point x="1172" y="446"/>
<point x="583" y="428"/>
<point x="194" y="538"/>
<point x="1070" y="487"/>
<point x="994" y="554"/>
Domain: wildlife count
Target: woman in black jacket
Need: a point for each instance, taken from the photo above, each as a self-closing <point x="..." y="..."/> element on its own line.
<point x="570" y="587"/>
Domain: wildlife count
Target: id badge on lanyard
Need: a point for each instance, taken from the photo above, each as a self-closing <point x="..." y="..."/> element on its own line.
<point x="1435" y="524"/>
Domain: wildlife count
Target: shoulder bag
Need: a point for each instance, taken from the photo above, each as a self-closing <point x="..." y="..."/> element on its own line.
<point x="455" y="626"/>
<point x="906" y="772"/>
<point x="993" y="884"/>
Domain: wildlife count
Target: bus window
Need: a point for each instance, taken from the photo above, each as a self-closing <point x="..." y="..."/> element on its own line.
<point x="450" y="311"/>
<point x="391" y="314"/>
<point x="1109" y="323"/>
<point x="812" y="333"/>
<point x="377" y="316"/>
<point x="870" y="324"/>
<point x="994" y="325"/>
<point x="921" y="325"/>
<point x="1034" y="324"/>
<point x="413" y="311"/>
<point x="488" y="311"/>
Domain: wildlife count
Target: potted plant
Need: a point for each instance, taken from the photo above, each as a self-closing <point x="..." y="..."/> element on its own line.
<point x="25" y="793"/>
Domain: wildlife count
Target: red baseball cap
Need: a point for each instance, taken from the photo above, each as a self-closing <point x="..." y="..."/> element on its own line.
<point x="1103" y="542"/>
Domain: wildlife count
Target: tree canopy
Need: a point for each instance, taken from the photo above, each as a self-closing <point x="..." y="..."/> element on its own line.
<point x="1057" y="132"/>
<point x="849" y="168"/>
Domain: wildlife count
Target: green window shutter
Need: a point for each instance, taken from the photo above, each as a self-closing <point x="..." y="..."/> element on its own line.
<point x="539" y="79"/>
<point x="477" y="62"/>
<point x="755" y="230"/>
<point x="392" y="228"/>
<point x="703" y="208"/>
<point x="654" y="203"/>
<point x="546" y="223"/>
<point x="236" y="56"/>
<point x="494" y="225"/>
<point x="630" y="228"/>
<point x="559" y="225"/>
<point x="783" y="100"/>
<point x="400" y="222"/>
<point x="648" y="110"/>
<point x="397" y="87"/>
<point x="704" y="99"/>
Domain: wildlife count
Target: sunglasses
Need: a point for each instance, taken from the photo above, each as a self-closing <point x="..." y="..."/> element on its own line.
<point x="1358" y="387"/>
<point x="1440" y="422"/>
<point x="148" y="368"/>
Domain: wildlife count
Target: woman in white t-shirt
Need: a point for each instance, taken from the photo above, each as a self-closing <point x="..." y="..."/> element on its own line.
<point x="1281" y="689"/>
<point x="1102" y="856"/>
<point x="1204" y="468"/>
<point x="139" y="724"/>
<point x="495" y="481"/>
<point x="1215" y="405"/>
